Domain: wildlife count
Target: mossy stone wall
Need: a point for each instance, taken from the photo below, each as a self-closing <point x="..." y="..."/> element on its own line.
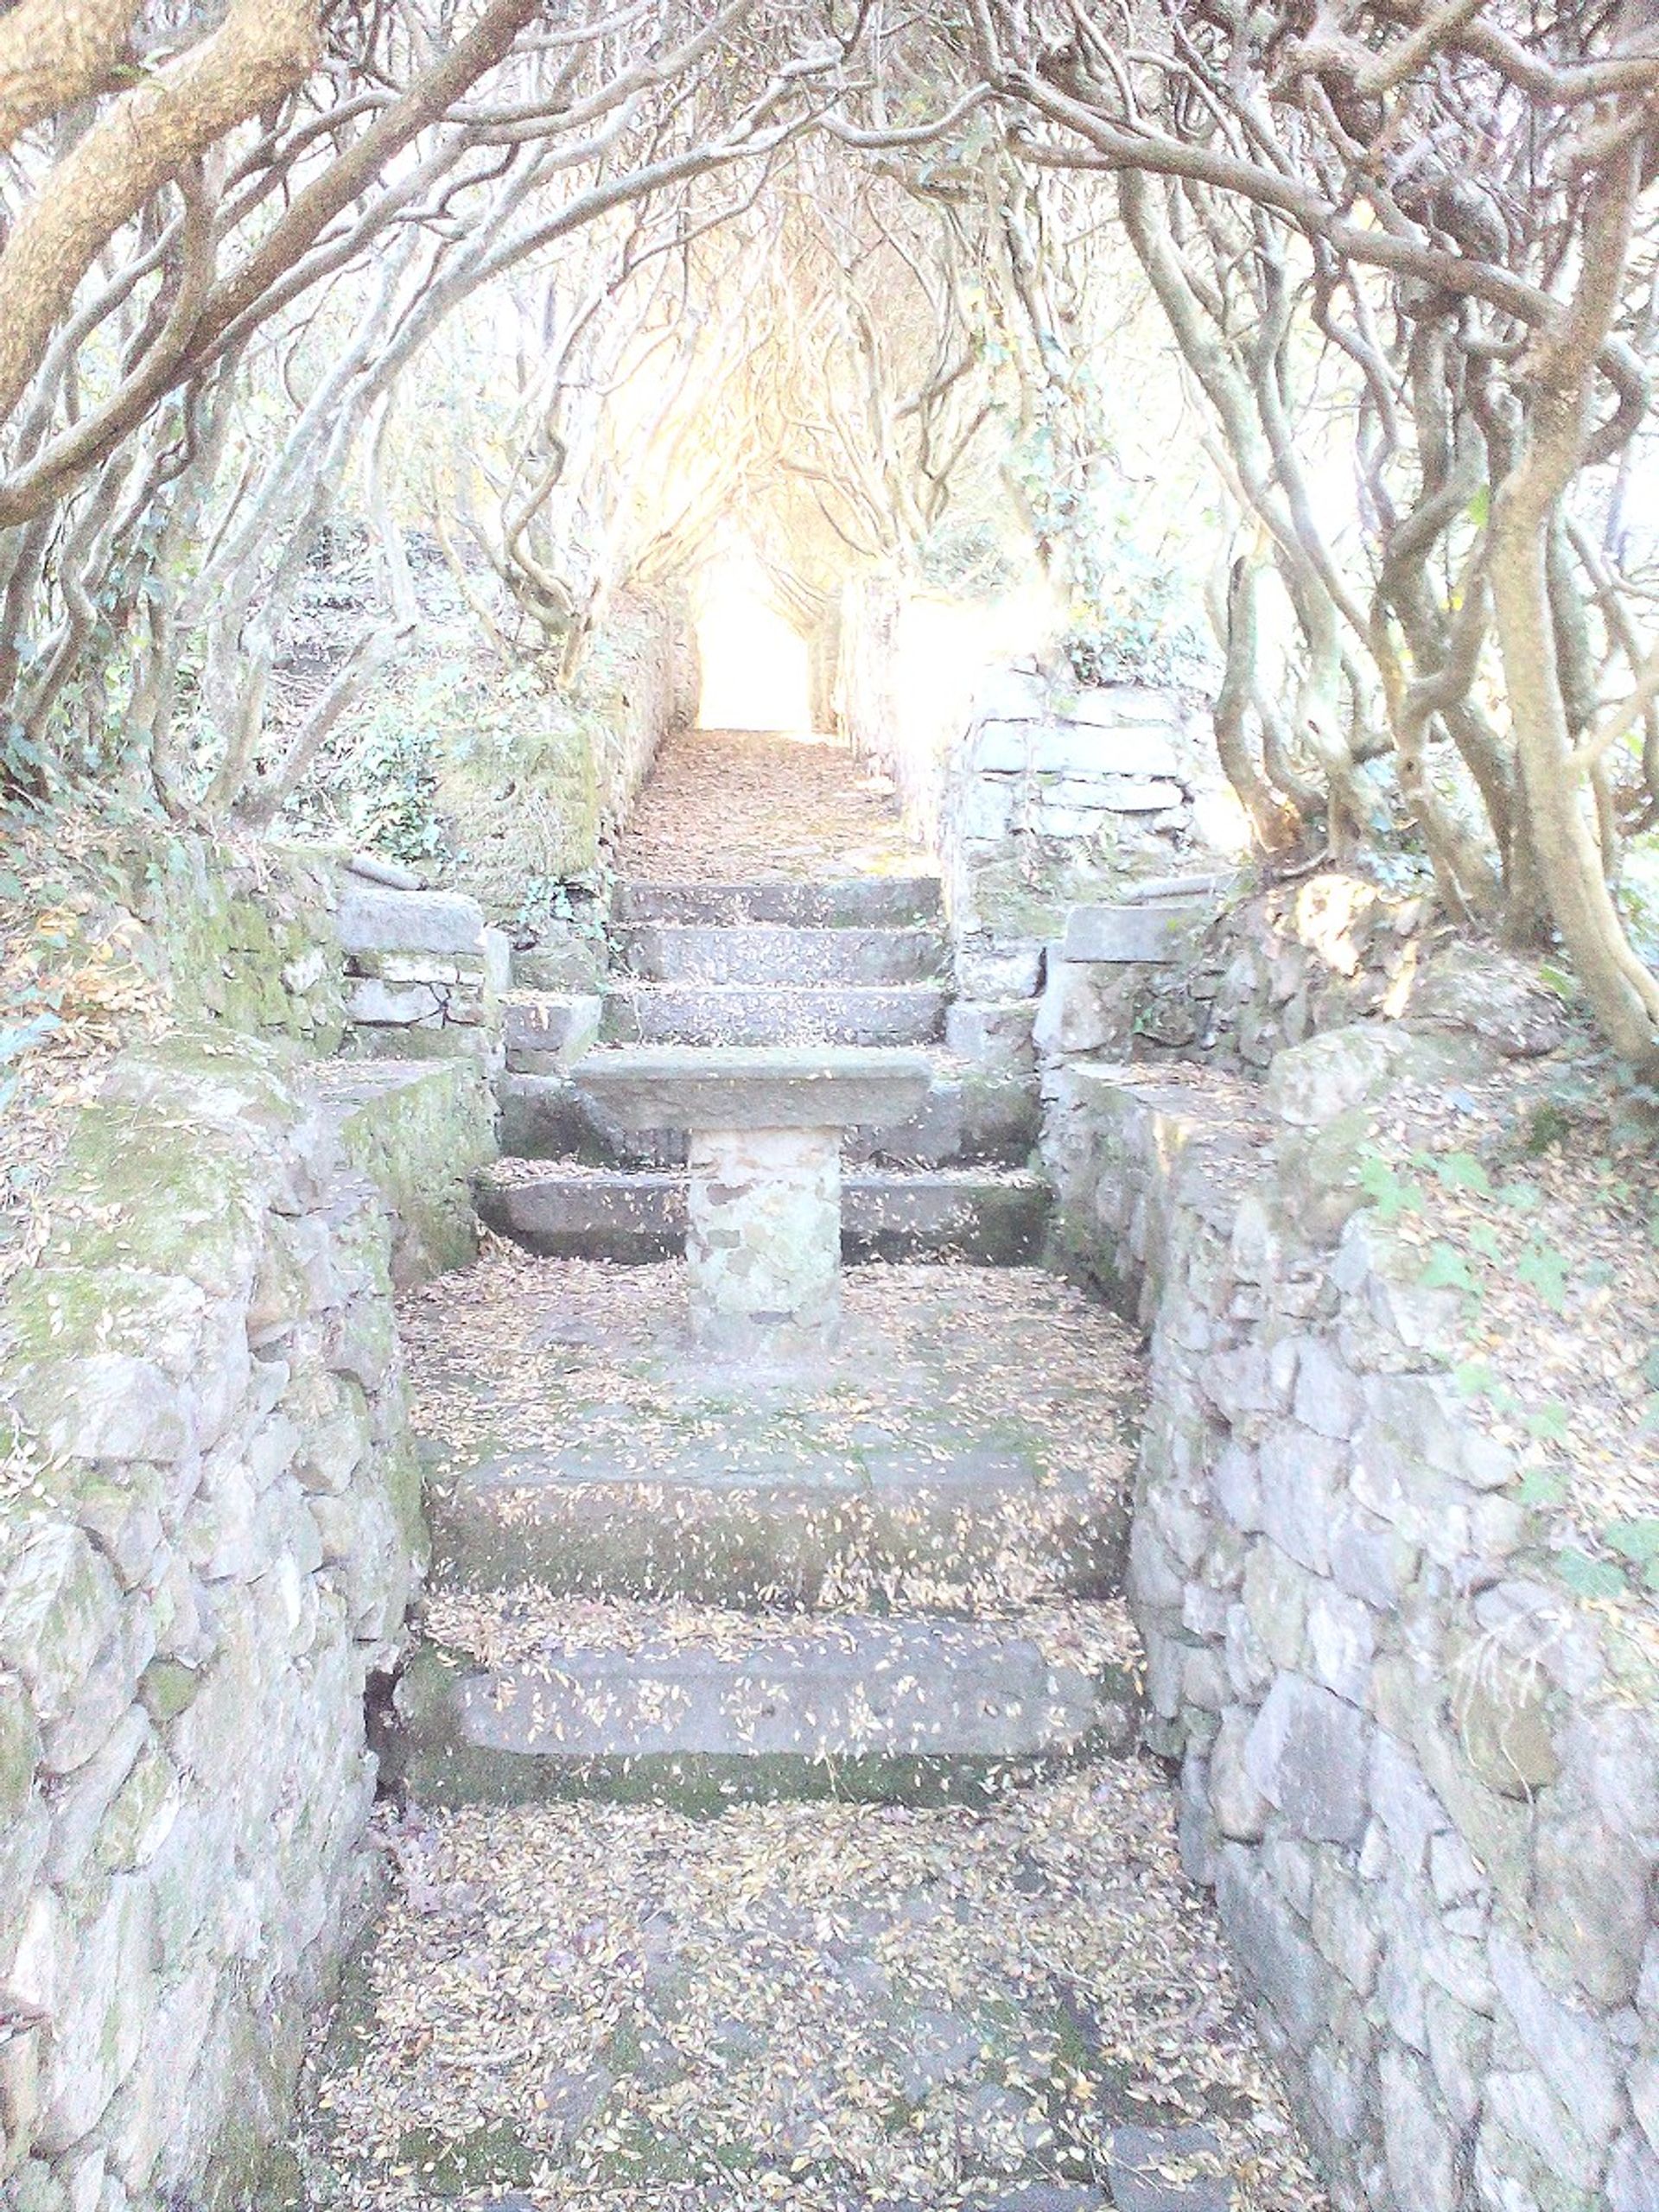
<point x="211" y="1538"/>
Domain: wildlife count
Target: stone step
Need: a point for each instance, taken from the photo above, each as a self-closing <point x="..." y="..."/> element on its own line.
<point x="704" y="1711"/>
<point x="678" y="952"/>
<point x="857" y="902"/>
<point x="969" y="1117"/>
<point x="714" y="1013"/>
<point x="630" y="1217"/>
<point x="916" y="1510"/>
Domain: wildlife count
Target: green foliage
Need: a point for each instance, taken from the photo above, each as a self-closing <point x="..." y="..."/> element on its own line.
<point x="378" y="788"/>
<point x="1591" y="1577"/>
<point x="1447" y="1269"/>
<point x="1545" y="1269"/>
<point x="1638" y="1542"/>
<point x="1391" y="1194"/>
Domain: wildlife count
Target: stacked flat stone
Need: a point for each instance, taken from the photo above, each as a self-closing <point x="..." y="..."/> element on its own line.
<point x="1410" y="1764"/>
<point x="425" y="976"/>
<point x="208" y="1551"/>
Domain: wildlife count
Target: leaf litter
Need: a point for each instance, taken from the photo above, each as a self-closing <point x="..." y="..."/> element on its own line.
<point x="833" y="2005"/>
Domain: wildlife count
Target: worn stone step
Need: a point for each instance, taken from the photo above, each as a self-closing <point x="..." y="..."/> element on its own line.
<point x="996" y="1220"/>
<point x="915" y="1510"/>
<point x="749" y="1015"/>
<point x="969" y="1117"/>
<point x="702" y="1711"/>
<point x="855" y="902"/>
<point x="677" y="952"/>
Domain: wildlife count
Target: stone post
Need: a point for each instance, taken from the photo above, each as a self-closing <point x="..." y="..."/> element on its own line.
<point x="763" y="1247"/>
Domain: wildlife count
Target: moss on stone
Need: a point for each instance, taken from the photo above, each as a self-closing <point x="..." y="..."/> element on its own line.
<point x="420" y="1139"/>
<point x="135" y="1194"/>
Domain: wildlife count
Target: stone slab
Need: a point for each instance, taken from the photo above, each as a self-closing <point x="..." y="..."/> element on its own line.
<point x="1066" y="748"/>
<point x="372" y="919"/>
<point x="1123" y="935"/>
<point x="844" y="1706"/>
<point x="711" y="1013"/>
<point x="757" y="1088"/>
<point x="859" y="902"/>
<point x="634" y="1217"/>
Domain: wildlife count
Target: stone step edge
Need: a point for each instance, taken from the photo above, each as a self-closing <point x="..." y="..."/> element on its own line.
<point x="461" y="1729"/>
<point x="837" y="903"/>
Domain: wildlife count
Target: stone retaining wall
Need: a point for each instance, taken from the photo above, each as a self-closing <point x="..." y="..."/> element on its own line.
<point x="1421" y="1778"/>
<point x="210" y="1538"/>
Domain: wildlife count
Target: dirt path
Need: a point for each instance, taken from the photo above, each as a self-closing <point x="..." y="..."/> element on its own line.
<point x="727" y="806"/>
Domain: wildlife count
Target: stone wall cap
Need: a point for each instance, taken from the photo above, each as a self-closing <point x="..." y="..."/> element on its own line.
<point x="1130" y="934"/>
<point x="755" y="1087"/>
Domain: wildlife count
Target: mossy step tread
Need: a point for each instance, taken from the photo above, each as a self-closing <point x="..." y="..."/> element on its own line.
<point x="709" y="1708"/>
<point x="771" y="952"/>
<point x="633" y="1215"/>
<point x="852" y="902"/>
<point x="775" y="1014"/>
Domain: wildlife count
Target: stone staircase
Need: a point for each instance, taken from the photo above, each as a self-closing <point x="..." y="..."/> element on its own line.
<point x="861" y="962"/>
<point x="810" y="1604"/>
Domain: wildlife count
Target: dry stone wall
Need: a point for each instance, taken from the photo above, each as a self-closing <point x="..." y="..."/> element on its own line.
<point x="210" y="1539"/>
<point x="1423" y="1779"/>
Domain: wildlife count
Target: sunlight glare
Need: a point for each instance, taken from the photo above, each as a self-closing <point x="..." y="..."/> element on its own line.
<point x="756" y="671"/>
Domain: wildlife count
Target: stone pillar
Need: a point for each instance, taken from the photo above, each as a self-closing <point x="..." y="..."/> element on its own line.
<point x="763" y="1248"/>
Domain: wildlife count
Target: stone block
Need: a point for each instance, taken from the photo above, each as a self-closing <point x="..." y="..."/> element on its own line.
<point x="984" y="808"/>
<point x="1570" y="2047"/>
<point x="1271" y="1947"/>
<point x="1081" y="1010"/>
<point x="1300" y="1474"/>
<point x="1130" y="935"/>
<point x="59" y="1607"/>
<point x="373" y="920"/>
<point x="1591" y="1904"/>
<point x="1417" y="2139"/>
<point x="498" y="961"/>
<point x="1633" y="2176"/>
<point x="1311" y="1084"/>
<point x="1344" y="1926"/>
<point x="992" y="1034"/>
<point x="548" y="1033"/>
<point x="998" y="968"/>
<point x="1327" y="1397"/>
<point x="1239" y="1808"/>
<point x="1306" y="1755"/>
<point x="379" y="1004"/>
<point x="104" y="1406"/>
<point x="1341" y="1641"/>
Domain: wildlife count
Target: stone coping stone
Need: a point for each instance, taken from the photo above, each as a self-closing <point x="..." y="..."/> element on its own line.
<point x="757" y="1087"/>
<point x="1122" y="935"/>
<point x="372" y="919"/>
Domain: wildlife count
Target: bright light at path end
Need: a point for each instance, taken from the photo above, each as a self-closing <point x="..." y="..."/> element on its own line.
<point x="756" y="673"/>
